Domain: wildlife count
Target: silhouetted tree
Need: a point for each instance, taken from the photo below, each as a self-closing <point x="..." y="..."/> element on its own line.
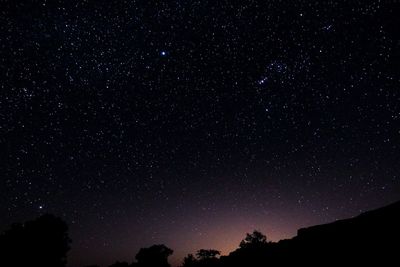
<point x="253" y="251"/>
<point x="206" y="254"/>
<point x="189" y="261"/>
<point x="204" y="258"/>
<point x="43" y="242"/>
<point x="254" y="239"/>
<point x="154" y="256"/>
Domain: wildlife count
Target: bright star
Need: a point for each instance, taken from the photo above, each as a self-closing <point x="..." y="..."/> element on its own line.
<point x="262" y="81"/>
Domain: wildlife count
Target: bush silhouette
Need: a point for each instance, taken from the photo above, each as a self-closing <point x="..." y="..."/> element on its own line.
<point x="207" y="254"/>
<point x="189" y="261"/>
<point x="43" y="242"/>
<point x="205" y="257"/>
<point x="154" y="256"/>
<point x="255" y="239"/>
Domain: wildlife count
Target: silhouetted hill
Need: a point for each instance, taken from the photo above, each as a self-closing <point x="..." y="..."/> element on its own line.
<point x="388" y="215"/>
<point x="370" y="238"/>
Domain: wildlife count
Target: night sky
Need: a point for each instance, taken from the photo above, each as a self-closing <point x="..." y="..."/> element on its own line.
<point x="189" y="123"/>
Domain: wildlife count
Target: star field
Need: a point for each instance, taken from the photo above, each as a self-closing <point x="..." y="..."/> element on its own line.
<point x="190" y="123"/>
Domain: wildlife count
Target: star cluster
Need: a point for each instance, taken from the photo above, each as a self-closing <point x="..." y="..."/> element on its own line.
<point x="191" y="122"/>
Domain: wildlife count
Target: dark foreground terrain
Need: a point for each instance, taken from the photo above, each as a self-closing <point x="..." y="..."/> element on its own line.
<point x="371" y="238"/>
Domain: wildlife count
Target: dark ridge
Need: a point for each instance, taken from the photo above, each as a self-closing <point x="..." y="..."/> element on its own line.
<point x="388" y="214"/>
<point x="368" y="239"/>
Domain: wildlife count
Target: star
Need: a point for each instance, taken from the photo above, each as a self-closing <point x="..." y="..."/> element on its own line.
<point x="174" y="112"/>
<point x="327" y="27"/>
<point x="262" y="81"/>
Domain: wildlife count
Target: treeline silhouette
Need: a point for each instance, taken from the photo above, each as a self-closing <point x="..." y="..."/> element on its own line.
<point x="42" y="242"/>
<point x="371" y="239"/>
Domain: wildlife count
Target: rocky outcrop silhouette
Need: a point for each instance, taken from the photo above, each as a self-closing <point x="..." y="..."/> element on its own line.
<point x="369" y="239"/>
